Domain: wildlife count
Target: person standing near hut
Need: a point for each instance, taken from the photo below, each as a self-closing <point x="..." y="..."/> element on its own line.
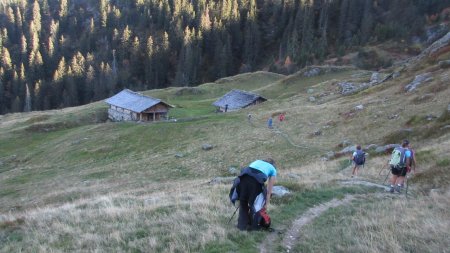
<point x="226" y="107"/>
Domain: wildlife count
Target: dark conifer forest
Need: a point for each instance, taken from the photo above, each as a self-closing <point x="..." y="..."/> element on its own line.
<point x="60" y="53"/>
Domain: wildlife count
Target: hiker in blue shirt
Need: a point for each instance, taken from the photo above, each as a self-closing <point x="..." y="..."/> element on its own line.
<point x="253" y="195"/>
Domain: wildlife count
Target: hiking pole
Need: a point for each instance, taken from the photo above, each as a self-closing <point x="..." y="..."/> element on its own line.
<point x="382" y="168"/>
<point x="386" y="178"/>
<point x="233" y="215"/>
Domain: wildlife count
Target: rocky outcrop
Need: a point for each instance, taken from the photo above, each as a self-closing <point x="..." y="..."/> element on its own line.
<point x="418" y="81"/>
<point x="437" y="45"/>
<point x="444" y="64"/>
<point x="386" y="148"/>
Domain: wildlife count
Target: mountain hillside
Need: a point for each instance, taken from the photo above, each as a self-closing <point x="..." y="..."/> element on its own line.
<point x="71" y="181"/>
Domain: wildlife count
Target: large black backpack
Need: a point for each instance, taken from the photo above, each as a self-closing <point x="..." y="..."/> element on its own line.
<point x="360" y="157"/>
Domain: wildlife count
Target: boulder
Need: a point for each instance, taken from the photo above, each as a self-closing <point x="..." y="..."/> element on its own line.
<point x="349" y="149"/>
<point x="359" y="107"/>
<point x="348" y="88"/>
<point x="207" y="146"/>
<point x="430" y="117"/>
<point x="330" y="155"/>
<point x="317" y="132"/>
<point x="395" y="74"/>
<point x="386" y="148"/>
<point x="312" y="99"/>
<point x="375" y="78"/>
<point x="444" y="64"/>
<point x="314" y="71"/>
<point x="310" y="91"/>
<point x="418" y="80"/>
<point x="179" y="155"/>
<point x="393" y="116"/>
<point x="280" y="191"/>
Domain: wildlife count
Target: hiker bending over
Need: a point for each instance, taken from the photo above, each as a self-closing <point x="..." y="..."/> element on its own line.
<point x="358" y="158"/>
<point x="400" y="164"/>
<point x="253" y="195"/>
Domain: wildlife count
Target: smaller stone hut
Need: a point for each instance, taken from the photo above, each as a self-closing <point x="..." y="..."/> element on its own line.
<point x="237" y="99"/>
<point x="128" y="105"/>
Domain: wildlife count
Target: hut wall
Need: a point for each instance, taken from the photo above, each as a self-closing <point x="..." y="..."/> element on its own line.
<point x="119" y="114"/>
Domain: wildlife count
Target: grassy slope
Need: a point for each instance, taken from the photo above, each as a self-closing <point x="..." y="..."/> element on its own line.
<point x="70" y="183"/>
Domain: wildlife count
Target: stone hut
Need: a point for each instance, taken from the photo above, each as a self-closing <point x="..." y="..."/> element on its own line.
<point x="237" y="99"/>
<point x="128" y="105"/>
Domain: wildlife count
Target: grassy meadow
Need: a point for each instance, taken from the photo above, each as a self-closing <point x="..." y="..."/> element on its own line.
<point x="70" y="181"/>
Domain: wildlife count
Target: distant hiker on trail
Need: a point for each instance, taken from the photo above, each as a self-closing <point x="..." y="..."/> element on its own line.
<point x="226" y="107"/>
<point x="249" y="118"/>
<point x="250" y="189"/>
<point x="400" y="164"/>
<point x="281" y="117"/>
<point x="359" y="159"/>
<point x="269" y="122"/>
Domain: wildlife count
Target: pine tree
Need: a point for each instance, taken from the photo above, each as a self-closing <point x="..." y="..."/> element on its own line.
<point x="36" y="17"/>
<point x="149" y="53"/>
<point x="307" y="34"/>
<point x="60" y="71"/>
<point x="27" y="104"/>
<point x="6" y="59"/>
<point x="103" y="8"/>
<point x="252" y="37"/>
<point x="89" y="84"/>
<point x="16" y="105"/>
<point x="63" y="7"/>
<point x="2" y="93"/>
<point x="38" y="96"/>
<point x="23" y="48"/>
<point x="19" y="20"/>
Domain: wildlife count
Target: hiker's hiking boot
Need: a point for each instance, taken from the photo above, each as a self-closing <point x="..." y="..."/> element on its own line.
<point x="398" y="188"/>
<point x="391" y="190"/>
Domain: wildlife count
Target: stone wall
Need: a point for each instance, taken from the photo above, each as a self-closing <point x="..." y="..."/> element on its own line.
<point x="119" y="115"/>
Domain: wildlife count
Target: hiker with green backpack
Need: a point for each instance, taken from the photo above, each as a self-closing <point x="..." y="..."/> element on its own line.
<point x="400" y="163"/>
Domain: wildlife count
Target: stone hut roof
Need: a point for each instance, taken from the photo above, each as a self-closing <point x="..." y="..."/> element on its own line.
<point x="237" y="99"/>
<point x="133" y="101"/>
